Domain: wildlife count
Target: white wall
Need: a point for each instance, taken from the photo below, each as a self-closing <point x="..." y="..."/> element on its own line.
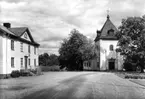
<point x="1" y="55"/>
<point x="105" y="54"/>
<point x="17" y="54"/>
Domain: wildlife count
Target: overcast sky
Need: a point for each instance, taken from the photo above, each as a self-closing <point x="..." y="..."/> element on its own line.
<point x="50" y="21"/>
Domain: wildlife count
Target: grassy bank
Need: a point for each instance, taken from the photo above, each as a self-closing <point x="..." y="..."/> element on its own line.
<point x="131" y="75"/>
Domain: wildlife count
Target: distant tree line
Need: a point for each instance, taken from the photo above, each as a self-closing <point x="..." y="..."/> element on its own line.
<point x="48" y="60"/>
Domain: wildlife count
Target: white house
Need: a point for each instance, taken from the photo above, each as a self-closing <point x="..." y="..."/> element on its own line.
<point x="18" y="49"/>
<point x="106" y="44"/>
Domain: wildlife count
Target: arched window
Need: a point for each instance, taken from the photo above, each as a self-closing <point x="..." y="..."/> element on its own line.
<point x="111" y="48"/>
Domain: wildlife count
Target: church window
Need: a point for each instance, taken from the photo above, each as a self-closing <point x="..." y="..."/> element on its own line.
<point x="110" y="32"/>
<point x="111" y="48"/>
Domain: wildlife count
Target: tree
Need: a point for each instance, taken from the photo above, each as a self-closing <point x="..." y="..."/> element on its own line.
<point x="72" y="51"/>
<point x="48" y="60"/>
<point x="131" y="37"/>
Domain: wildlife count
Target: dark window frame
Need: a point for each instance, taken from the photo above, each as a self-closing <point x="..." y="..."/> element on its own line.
<point x="34" y="50"/>
<point x="21" y="46"/>
<point x="29" y="61"/>
<point x="111" y="47"/>
<point x="29" y="48"/>
<point x="21" y="62"/>
<point x="12" y="62"/>
<point x="34" y="62"/>
<point x="12" y="45"/>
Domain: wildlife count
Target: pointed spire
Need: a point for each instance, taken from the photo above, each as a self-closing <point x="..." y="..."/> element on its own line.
<point x="108" y="14"/>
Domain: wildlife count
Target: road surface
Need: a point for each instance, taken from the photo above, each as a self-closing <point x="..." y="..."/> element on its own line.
<point x="71" y="85"/>
<point x="91" y="86"/>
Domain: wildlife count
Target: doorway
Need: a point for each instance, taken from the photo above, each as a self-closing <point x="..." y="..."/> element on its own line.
<point x="111" y="64"/>
<point x="26" y="58"/>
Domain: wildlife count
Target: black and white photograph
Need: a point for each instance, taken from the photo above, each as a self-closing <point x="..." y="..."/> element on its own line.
<point x="72" y="49"/>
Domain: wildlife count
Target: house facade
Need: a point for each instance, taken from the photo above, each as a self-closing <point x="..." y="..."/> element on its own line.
<point x="18" y="49"/>
<point x="107" y="57"/>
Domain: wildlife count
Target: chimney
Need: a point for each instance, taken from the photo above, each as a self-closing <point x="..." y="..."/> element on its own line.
<point x="7" y="25"/>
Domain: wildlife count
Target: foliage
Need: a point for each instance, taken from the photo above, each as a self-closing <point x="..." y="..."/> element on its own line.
<point x="15" y="73"/>
<point x="48" y="60"/>
<point x="50" y="68"/>
<point x="74" y="51"/>
<point x="131" y="37"/>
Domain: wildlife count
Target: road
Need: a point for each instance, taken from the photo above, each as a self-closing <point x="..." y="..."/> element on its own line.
<point x="71" y="85"/>
<point x="91" y="85"/>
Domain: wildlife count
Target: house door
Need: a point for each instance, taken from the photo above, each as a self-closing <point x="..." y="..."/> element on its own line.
<point x="112" y="64"/>
<point x="26" y="58"/>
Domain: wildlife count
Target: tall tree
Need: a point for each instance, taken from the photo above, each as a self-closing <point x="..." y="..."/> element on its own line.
<point x="132" y="40"/>
<point x="72" y="51"/>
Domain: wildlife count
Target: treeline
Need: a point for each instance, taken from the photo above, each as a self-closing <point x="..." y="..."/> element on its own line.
<point x="48" y="60"/>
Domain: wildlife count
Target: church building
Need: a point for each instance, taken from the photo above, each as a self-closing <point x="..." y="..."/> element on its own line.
<point x="106" y="43"/>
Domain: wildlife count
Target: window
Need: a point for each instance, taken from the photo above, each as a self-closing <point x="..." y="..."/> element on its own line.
<point x="29" y="62"/>
<point x="34" y="50"/>
<point x="111" y="48"/>
<point x="12" y="62"/>
<point x="21" y="46"/>
<point x="111" y="32"/>
<point x="21" y="62"/>
<point x="29" y="49"/>
<point x="12" y="44"/>
<point x="34" y="62"/>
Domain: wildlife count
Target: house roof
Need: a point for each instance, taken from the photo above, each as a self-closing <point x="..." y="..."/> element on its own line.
<point x="6" y="30"/>
<point x="103" y="33"/>
<point x="18" y="31"/>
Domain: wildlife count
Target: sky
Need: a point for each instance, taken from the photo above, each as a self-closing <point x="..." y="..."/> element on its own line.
<point x="50" y="21"/>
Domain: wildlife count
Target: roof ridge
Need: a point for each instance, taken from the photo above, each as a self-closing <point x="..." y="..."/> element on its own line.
<point x="17" y="27"/>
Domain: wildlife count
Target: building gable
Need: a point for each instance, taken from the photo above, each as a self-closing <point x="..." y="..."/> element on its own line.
<point x="107" y="32"/>
<point x="25" y="36"/>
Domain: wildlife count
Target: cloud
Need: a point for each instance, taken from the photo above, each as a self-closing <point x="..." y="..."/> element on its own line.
<point x="50" y="21"/>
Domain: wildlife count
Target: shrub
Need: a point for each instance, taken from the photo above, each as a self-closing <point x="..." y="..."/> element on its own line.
<point x="15" y="74"/>
<point x="24" y="73"/>
<point x="129" y="66"/>
<point x="134" y="77"/>
<point x="50" y="68"/>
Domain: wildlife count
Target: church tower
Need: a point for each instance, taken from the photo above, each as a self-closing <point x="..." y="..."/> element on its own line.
<point x="106" y="44"/>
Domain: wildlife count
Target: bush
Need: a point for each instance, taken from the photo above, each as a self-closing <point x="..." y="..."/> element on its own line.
<point x="24" y="72"/>
<point x="15" y="74"/>
<point x="129" y="66"/>
<point x="50" y="68"/>
<point x="134" y="76"/>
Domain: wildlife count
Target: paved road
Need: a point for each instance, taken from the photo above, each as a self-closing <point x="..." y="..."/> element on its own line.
<point x="91" y="85"/>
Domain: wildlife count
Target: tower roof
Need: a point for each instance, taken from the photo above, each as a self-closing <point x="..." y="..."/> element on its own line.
<point x="108" y="30"/>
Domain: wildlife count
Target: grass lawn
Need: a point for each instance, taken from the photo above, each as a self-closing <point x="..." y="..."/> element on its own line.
<point x="131" y="75"/>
